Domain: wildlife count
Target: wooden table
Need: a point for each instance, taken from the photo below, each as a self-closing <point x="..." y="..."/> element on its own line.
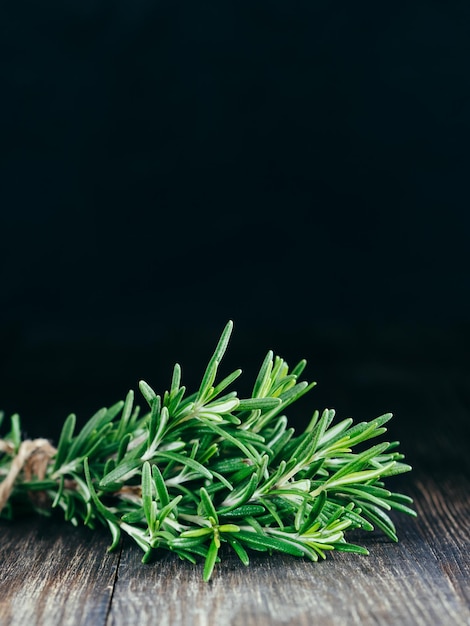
<point x="54" y="574"/>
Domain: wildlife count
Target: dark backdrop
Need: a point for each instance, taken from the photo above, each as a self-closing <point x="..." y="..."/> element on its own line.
<point x="300" y="167"/>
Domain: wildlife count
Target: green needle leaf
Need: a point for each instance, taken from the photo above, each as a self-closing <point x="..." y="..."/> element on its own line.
<point x="208" y="505"/>
<point x="147" y="498"/>
<point x="64" y="441"/>
<point x="261" y="542"/>
<point x="210" y="560"/>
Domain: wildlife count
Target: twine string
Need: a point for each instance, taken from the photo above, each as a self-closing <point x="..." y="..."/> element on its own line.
<point x="32" y="458"/>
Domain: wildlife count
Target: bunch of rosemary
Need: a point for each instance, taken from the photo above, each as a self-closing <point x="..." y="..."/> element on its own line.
<point x="199" y="471"/>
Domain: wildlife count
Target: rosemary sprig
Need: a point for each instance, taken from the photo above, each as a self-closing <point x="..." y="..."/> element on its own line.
<point x="195" y="472"/>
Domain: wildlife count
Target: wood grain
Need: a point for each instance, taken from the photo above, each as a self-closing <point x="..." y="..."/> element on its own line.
<point x="63" y="575"/>
<point x="52" y="574"/>
<point x="422" y="580"/>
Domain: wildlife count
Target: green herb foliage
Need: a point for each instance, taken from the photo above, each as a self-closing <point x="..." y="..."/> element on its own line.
<point x="197" y="471"/>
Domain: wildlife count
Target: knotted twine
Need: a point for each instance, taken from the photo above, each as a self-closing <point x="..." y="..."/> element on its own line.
<point x="32" y="458"/>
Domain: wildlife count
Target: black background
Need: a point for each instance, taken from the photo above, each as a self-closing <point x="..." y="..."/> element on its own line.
<point x="298" y="167"/>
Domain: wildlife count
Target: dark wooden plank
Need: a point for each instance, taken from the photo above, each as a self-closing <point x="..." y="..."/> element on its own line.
<point x="422" y="580"/>
<point x="63" y="575"/>
<point x="54" y="574"/>
<point x="442" y="532"/>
